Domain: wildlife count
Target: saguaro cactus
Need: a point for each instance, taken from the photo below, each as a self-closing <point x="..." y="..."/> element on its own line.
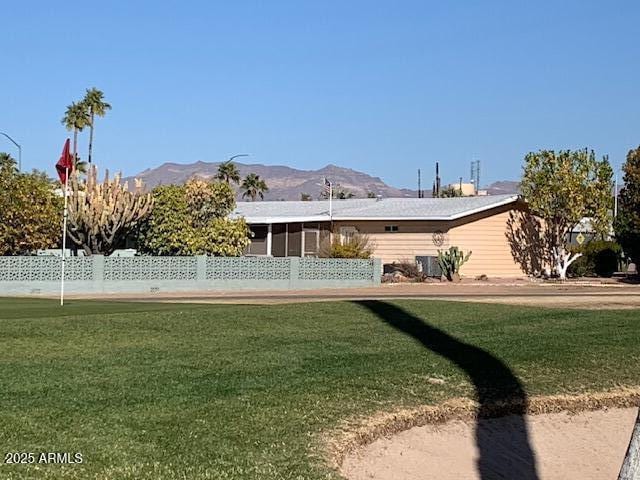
<point x="450" y="262"/>
<point x="102" y="214"/>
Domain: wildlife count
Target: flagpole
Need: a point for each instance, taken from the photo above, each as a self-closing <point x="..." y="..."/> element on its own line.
<point x="615" y="197"/>
<point x="64" y="235"/>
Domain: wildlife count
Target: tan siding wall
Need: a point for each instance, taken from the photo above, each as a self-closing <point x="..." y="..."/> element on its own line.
<point x="484" y="234"/>
<point x="486" y="238"/>
<point x="411" y="239"/>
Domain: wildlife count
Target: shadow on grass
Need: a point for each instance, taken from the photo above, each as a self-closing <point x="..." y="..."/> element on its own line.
<point x="505" y="452"/>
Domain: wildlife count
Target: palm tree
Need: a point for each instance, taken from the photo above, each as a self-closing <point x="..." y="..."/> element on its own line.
<point x="94" y="101"/>
<point x="80" y="166"/>
<point x="253" y="187"/>
<point x="342" y="194"/>
<point x="8" y="162"/>
<point x="228" y="172"/>
<point x="76" y="118"/>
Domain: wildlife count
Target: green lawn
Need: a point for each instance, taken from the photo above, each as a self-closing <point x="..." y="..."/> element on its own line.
<point x="159" y="391"/>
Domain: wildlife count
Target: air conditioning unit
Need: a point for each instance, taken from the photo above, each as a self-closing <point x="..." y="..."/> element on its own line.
<point x="429" y="265"/>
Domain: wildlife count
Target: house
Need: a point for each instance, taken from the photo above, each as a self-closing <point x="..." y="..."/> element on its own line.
<point x="399" y="228"/>
<point x="583" y="232"/>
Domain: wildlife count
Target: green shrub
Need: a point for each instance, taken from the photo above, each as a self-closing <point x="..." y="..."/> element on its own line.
<point x="356" y="246"/>
<point x="582" y="267"/>
<point x="599" y="258"/>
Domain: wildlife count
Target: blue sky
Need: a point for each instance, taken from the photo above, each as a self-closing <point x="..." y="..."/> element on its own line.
<point x="383" y="87"/>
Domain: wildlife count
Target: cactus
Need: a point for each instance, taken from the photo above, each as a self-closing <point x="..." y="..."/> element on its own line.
<point x="101" y="215"/>
<point x="450" y="262"/>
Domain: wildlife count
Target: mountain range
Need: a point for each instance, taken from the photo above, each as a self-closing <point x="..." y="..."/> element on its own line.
<point x="286" y="183"/>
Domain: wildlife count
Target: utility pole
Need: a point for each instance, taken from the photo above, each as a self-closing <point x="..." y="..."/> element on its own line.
<point x="437" y="189"/>
<point x="419" y="186"/>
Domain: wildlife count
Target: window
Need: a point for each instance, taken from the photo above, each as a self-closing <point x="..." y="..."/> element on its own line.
<point x="391" y="228"/>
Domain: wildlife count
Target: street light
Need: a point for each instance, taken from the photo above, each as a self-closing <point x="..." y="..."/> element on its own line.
<point x="239" y="155"/>
<point x="19" y="149"/>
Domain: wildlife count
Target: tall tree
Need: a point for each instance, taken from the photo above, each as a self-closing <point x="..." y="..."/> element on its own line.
<point x="75" y="119"/>
<point x="207" y="200"/>
<point x="30" y="210"/>
<point x="337" y="193"/>
<point x="228" y="172"/>
<point x="450" y="192"/>
<point x="8" y="163"/>
<point x="627" y="224"/>
<point x="192" y="219"/>
<point x="253" y="186"/>
<point x="342" y="194"/>
<point x="96" y="106"/>
<point x="562" y="188"/>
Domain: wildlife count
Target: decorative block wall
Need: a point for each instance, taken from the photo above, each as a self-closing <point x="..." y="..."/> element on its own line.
<point x="150" y="268"/>
<point x="248" y="268"/>
<point x="335" y="269"/>
<point x="98" y="274"/>
<point x="29" y="269"/>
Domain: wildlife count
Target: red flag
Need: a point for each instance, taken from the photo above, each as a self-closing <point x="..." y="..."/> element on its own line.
<point x="65" y="163"/>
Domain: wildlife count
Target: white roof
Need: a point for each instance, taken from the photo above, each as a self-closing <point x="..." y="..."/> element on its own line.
<point x="585" y="225"/>
<point x="369" y="209"/>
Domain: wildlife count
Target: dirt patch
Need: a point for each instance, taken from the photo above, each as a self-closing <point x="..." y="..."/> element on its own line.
<point x="352" y="436"/>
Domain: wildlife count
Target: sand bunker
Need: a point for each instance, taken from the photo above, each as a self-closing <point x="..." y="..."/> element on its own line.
<point x="586" y="445"/>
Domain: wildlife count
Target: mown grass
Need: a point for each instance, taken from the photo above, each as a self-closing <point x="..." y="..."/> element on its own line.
<point x="160" y="391"/>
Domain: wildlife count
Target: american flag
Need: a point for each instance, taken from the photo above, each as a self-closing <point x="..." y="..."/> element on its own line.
<point x="327" y="187"/>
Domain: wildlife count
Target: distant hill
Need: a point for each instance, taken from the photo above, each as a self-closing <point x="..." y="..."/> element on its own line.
<point x="504" y="186"/>
<point x="286" y="183"/>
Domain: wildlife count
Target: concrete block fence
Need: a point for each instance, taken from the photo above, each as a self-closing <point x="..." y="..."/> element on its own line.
<point x="99" y="274"/>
